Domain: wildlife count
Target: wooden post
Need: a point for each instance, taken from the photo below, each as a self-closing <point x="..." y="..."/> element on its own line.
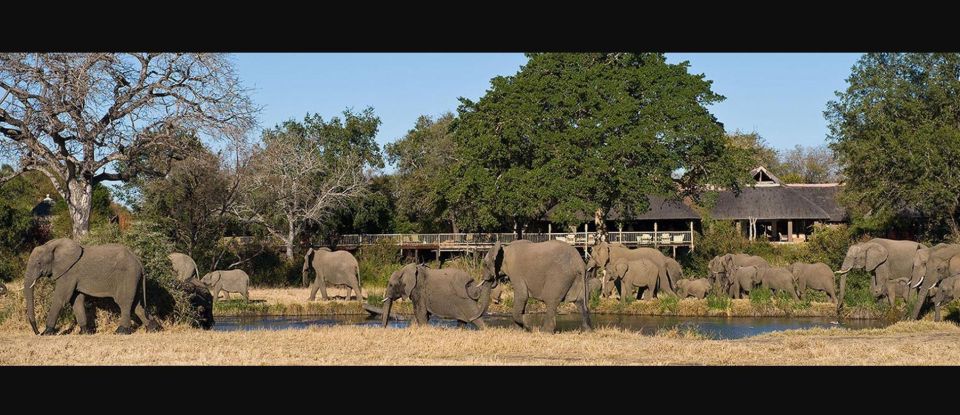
<point x="691" y="236"/>
<point x="586" y="236"/>
<point x="656" y="238"/>
<point x="549" y="231"/>
<point x="790" y="230"/>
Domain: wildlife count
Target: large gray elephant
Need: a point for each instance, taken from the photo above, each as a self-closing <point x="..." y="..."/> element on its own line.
<point x="550" y="271"/>
<point x="607" y="255"/>
<point x="110" y="271"/>
<point x="446" y="293"/>
<point x="886" y="259"/>
<point x="947" y="291"/>
<point x="933" y="265"/>
<point x="722" y="266"/>
<point x="185" y="266"/>
<point x="230" y="281"/>
<point x="697" y="288"/>
<point x="338" y="268"/>
<point x="816" y="276"/>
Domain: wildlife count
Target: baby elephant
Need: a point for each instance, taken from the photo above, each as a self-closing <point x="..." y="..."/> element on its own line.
<point x="946" y="291"/>
<point x="894" y="288"/>
<point x="636" y="274"/>
<point x="778" y="279"/>
<point x="232" y="281"/>
<point x="814" y="276"/>
<point x="698" y="288"/>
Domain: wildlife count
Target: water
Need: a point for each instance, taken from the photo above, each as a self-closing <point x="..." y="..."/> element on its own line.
<point x="714" y="327"/>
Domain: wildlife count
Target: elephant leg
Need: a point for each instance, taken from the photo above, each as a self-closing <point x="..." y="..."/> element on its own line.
<point x="150" y="325"/>
<point x="323" y="290"/>
<point x="480" y="324"/>
<point x="80" y="312"/>
<point x="246" y="295"/>
<point x="61" y="294"/>
<point x="356" y="288"/>
<point x="625" y="290"/>
<point x="313" y="291"/>
<point x="550" y="317"/>
<point x="519" y="304"/>
<point x="585" y="323"/>
<point x="793" y="293"/>
<point x="126" y="309"/>
<point x="936" y="312"/>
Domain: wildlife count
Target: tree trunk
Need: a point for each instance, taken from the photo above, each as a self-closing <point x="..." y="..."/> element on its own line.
<point x="79" y="197"/>
<point x="291" y="236"/>
<point x="453" y="224"/>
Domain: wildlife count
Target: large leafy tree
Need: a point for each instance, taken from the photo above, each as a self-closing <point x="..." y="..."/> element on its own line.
<point x="84" y="118"/>
<point x="423" y="158"/>
<point x="896" y="134"/>
<point x="571" y="133"/>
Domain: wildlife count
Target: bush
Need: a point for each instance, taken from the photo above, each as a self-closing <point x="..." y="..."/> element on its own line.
<point x="377" y="262"/>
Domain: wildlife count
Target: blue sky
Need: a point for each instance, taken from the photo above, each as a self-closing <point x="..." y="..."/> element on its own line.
<point x="781" y="96"/>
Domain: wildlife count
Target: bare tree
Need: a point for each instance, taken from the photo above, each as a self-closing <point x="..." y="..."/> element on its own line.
<point x="292" y="182"/>
<point x="82" y="119"/>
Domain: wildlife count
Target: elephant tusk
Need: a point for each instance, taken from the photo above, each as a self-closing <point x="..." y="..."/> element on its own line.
<point x="841" y="272"/>
<point x="919" y="282"/>
<point x="33" y="283"/>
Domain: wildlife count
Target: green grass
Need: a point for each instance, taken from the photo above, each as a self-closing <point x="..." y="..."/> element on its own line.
<point x="761" y="296"/>
<point x="668" y="304"/>
<point x="718" y="302"/>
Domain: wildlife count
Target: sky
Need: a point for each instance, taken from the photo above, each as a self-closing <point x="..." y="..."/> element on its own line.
<point x="780" y="96"/>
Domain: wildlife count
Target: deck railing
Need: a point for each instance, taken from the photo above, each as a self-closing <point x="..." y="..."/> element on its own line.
<point x="466" y="240"/>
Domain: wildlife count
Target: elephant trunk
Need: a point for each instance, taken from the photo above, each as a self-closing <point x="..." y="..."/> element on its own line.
<point x="28" y="298"/>
<point x="843" y="290"/>
<point x="922" y="298"/>
<point x="484" y="301"/>
<point x="306" y="266"/>
<point x="386" y="311"/>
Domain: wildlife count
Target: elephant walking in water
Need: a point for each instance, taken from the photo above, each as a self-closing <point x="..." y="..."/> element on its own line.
<point x="446" y="293"/>
<point x="111" y="271"/>
<point x="550" y="271"/>
<point x="333" y="268"/>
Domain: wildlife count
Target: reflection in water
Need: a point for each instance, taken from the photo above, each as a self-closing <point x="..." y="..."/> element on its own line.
<point x="714" y="327"/>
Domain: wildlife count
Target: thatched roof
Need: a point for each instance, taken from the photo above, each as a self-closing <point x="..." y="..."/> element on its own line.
<point x="824" y="196"/>
<point x="767" y="203"/>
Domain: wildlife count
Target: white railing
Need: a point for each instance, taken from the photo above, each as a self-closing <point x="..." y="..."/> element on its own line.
<point x="454" y="240"/>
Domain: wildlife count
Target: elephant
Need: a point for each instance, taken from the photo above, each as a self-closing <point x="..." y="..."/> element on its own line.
<point x="333" y="268"/>
<point x="107" y="271"/>
<point x="931" y="266"/>
<point x="742" y="279"/>
<point x="721" y="266"/>
<point x="886" y="259"/>
<point x="606" y="255"/>
<point x="640" y="274"/>
<point x="446" y="293"/>
<point x="947" y="291"/>
<point x="698" y="288"/>
<point x="550" y="271"/>
<point x="231" y="281"/>
<point x="777" y="279"/>
<point x="184" y="265"/>
<point x="816" y="276"/>
<point x="899" y="287"/>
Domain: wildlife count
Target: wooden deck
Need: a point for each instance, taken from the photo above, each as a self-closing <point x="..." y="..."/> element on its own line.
<point x="469" y="242"/>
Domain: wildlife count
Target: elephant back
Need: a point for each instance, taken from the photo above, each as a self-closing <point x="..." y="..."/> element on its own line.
<point x="336" y="267"/>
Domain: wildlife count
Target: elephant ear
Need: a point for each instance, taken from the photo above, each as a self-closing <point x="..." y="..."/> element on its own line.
<point x="410" y="278"/>
<point x="215" y="278"/>
<point x="875" y="255"/>
<point x="468" y="291"/>
<point x="66" y="254"/>
<point x="620" y="269"/>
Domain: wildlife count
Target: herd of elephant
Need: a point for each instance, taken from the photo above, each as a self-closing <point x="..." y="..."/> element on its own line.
<point x="552" y="272"/>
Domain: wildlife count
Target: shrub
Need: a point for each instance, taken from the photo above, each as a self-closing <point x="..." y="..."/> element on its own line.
<point x="377" y="262"/>
<point x="761" y="296"/>
<point x="718" y="301"/>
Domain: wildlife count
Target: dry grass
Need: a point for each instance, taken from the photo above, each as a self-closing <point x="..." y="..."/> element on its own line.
<point x="347" y="345"/>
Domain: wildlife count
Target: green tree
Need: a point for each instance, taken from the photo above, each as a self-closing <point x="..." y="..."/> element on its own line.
<point x="896" y="134"/>
<point x="761" y="153"/>
<point x="814" y="164"/>
<point x="577" y="132"/>
<point x="422" y="159"/>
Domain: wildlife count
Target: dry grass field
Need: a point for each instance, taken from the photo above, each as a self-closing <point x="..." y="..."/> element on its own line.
<point x="909" y="343"/>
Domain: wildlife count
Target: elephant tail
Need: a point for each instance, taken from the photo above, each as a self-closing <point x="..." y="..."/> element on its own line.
<point x="357" y="273"/>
